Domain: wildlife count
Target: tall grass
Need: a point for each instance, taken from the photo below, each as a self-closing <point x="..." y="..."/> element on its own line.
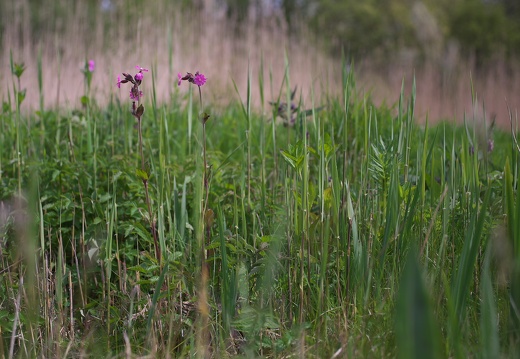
<point x="343" y="234"/>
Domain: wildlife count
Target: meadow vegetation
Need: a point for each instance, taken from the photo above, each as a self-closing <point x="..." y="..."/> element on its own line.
<point x="292" y="221"/>
<point x="352" y="232"/>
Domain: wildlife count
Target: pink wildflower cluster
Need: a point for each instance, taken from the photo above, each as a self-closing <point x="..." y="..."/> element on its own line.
<point x="91" y="65"/>
<point x="135" y="92"/>
<point x="197" y="79"/>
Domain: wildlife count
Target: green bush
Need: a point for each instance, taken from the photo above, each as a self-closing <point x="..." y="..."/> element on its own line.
<point x="480" y="28"/>
<point x="363" y="27"/>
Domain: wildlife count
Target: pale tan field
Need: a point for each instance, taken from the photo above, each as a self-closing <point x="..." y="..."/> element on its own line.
<point x="163" y="38"/>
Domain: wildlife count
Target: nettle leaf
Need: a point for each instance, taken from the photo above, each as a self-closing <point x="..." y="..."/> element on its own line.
<point x="142" y="174"/>
<point x="143" y="233"/>
<point x="295" y="155"/>
<point x="6" y="107"/>
<point x="116" y="176"/>
<point x="175" y="256"/>
<point x="21" y="96"/>
<point x="290" y="159"/>
<point x="138" y="268"/>
<point x="213" y="245"/>
<point x="105" y="197"/>
<point x="18" y="69"/>
<point x="294" y="161"/>
<point x="85" y="100"/>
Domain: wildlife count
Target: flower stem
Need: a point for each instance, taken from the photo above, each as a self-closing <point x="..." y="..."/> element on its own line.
<point x="147" y="196"/>
<point x="204" y="336"/>
<point x="205" y="172"/>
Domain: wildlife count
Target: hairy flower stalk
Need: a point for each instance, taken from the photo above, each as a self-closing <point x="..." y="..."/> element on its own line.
<point x="137" y="111"/>
<point x="88" y="71"/>
<point x="205" y="222"/>
<point x="199" y="80"/>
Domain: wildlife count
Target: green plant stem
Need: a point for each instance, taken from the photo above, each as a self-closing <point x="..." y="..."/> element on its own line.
<point x="148" y="204"/>
<point x="204" y="338"/>
<point x="205" y="172"/>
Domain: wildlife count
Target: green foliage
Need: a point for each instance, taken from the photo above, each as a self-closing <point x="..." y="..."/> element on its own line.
<point x="357" y="27"/>
<point x="374" y="27"/>
<point x="489" y="332"/>
<point x="416" y="328"/>
<point x="237" y="10"/>
<point x="480" y="28"/>
<point x="307" y="233"/>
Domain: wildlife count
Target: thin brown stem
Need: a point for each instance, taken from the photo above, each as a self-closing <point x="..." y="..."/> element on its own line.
<point x="200" y="98"/>
<point x="147" y="196"/>
<point x="205" y="174"/>
<point x="204" y="337"/>
<point x="139" y="129"/>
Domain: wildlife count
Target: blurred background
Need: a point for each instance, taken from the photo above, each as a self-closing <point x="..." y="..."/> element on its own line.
<point x="450" y="46"/>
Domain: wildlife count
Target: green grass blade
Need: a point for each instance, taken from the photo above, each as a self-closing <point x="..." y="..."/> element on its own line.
<point x="489" y="336"/>
<point x="417" y="332"/>
<point x="464" y="275"/>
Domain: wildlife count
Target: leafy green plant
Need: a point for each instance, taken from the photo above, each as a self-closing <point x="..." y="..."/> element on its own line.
<point x="346" y="233"/>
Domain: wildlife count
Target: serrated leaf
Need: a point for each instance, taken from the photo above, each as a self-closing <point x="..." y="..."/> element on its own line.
<point x="153" y="267"/>
<point x="116" y="176"/>
<point x="142" y="232"/>
<point x="142" y="174"/>
<point x="290" y="159"/>
<point x="138" y="268"/>
<point x="105" y="197"/>
<point x="21" y="96"/>
<point x="294" y="162"/>
<point x="144" y="281"/>
<point x="213" y="245"/>
<point x="175" y="255"/>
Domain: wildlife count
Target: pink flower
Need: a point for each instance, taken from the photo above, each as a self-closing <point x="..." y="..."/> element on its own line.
<point x="141" y="69"/>
<point x="491" y="145"/>
<point x="118" y="81"/>
<point x="199" y="79"/>
<point x="139" y="76"/>
<point x="91" y="65"/>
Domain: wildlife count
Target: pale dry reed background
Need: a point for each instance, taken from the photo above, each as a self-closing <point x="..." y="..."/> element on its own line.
<point x="202" y="41"/>
<point x="172" y="40"/>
